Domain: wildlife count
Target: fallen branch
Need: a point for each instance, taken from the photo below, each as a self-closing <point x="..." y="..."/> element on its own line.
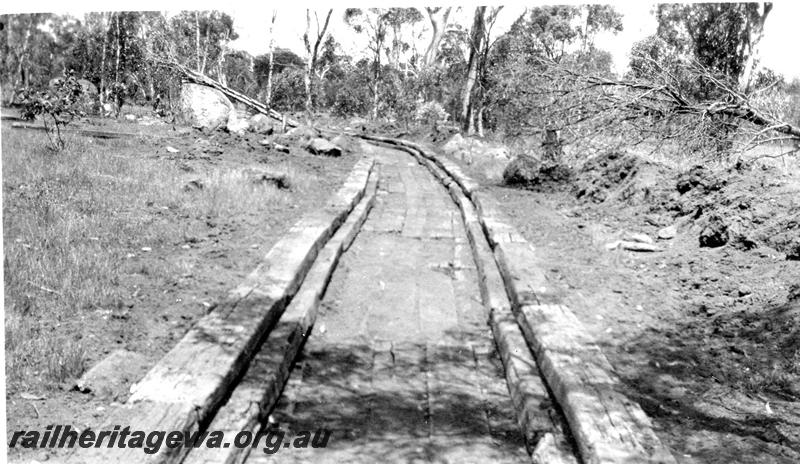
<point x="201" y="79"/>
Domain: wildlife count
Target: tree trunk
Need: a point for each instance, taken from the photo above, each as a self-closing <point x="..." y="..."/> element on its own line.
<point x="553" y="150"/>
<point x="309" y="64"/>
<point x="197" y="40"/>
<point x="375" y="78"/>
<point x="476" y="39"/>
<point x="23" y="53"/>
<point x="313" y="51"/>
<point x="438" y="24"/>
<point x="119" y="48"/>
<point x="271" y="58"/>
<point x="103" y="62"/>
<point x="757" y="33"/>
<point x="205" y="49"/>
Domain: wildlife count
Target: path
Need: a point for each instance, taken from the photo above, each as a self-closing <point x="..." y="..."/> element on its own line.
<point x="401" y="364"/>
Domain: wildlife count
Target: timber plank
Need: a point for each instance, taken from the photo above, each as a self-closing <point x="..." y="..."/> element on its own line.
<point x="197" y="373"/>
<point x="261" y="386"/>
<point x="608" y="427"/>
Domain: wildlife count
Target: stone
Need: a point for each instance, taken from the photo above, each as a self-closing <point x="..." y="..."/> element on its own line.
<point x="320" y="146"/>
<point x="112" y="377"/>
<point x="204" y="107"/>
<point x="301" y="132"/>
<point x="344" y="143"/>
<point x="667" y="233"/>
<point x="793" y="250"/>
<point x="639" y="237"/>
<point x="236" y="124"/>
<point x="262" y="124"/>
<point x="453" y="145"/>
<point x="794" y="292"/>
<point x="521" y="171"/>
<point x="715" y="233"/>
<point x="278" y="180"/>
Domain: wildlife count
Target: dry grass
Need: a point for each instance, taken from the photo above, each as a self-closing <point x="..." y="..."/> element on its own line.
<point x="71" y="218"/>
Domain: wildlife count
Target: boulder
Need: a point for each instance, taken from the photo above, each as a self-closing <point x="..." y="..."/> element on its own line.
<point x="320" y="146"/>
<point x="453" y="145"/>
<point x="112" y="377"/>
<point x="301" y="132"/>
<point x="793" y="250"/>
<point x="667" y="233"/>
<point x="237" y="124"/>
<point x="345" y="143"/>
<point x="262" y="124"/>
<point x="521" y="171"/>
<point x="715" y="233"/>
<point x="204" y="107"/>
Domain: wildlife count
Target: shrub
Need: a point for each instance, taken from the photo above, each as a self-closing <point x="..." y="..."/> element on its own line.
<point x="431" y="114"/>
<point x="57" y="106"/>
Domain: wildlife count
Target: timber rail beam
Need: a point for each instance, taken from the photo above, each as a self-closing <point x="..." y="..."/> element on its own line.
<point x="606" y="426"/>
<point x="275" y="304"/>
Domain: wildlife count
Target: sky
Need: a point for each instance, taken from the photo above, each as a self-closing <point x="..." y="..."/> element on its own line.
<point x="251" y="20"/>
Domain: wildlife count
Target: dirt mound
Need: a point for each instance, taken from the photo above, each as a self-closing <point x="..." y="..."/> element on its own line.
<point x="617" y="176"/>
<point x="742" y="208"/>
<point x="527" y="172"/>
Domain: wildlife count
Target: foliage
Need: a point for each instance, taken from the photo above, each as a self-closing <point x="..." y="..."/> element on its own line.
<point x="720" y="36"/>
<point x="288" y="90"/>
<point x="56" y="106"/>
<point x="431" y="114"/>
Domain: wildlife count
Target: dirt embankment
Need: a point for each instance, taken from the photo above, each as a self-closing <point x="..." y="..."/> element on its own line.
<point x="704" y="332"/>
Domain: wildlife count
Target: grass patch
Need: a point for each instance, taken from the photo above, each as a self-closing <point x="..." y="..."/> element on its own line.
<point x="71" y="219"/>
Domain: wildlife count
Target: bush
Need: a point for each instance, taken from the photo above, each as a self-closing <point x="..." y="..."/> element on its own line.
<point x="57" y="106"/>
<point x="431" y="114"/>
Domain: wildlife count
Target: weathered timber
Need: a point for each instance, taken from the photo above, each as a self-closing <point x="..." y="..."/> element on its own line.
<point x="89" y="132"/>
<point x="526" y="388"/>
<point x="614" y="429"/>
<point x="608" y="427"/>
<point x="196" y="375"/>
<point x="261" y="386"/>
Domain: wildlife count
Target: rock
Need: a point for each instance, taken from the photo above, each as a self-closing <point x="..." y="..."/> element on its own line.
<point x="262" y="124"/>
<point x="112" y="377"/>
<point x="526" y="171"/>
<point x="204" y="107"/>
<point x="698" y="177"/>
<point x="301" y="132"/>
<point x="744" y="290"/>
<point x="793" y="250"/>
<point x="638" y="246"/>
<point x="236" y="124"/>
<point x="280" y="148"/>
<point x="715" y="233"/>
<point x="521" y="171"/>
<point x="453" y="145"/>
<point x="667" y="233"/>
<point x="172" y="149"/>
<point x="193" y="185"/>
<point x="344" y="143"/>
<point x="277" y="179"/>
<point x="320" y="146"/>
<point x="496" y="153"/>
<point x="794" y="292"/>
<point x="639" y="237"/>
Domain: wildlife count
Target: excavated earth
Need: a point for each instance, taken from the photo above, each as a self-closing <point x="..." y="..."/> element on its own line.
<point x="705" y="333"/>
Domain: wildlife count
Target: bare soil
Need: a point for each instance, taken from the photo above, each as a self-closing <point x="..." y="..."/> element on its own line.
<point x="706" y="339"/>
<point x="173" y="249"/>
